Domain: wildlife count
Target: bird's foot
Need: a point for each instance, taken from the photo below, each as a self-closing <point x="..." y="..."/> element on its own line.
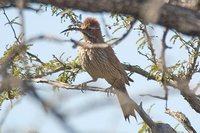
<point x="110" y="90"/>
<point x="82" y="86"/>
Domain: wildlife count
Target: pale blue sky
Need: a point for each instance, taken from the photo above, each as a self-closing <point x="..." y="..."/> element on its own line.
<point x="107" y="117"/>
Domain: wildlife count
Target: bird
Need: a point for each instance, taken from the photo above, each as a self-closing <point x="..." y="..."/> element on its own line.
<point x="103" y="63"/>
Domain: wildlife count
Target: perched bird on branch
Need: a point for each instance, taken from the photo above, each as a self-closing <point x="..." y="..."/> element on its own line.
<point x="103" y="63"/>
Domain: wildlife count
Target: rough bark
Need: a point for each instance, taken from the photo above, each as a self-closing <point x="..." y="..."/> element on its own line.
<point x="175" y="17"/>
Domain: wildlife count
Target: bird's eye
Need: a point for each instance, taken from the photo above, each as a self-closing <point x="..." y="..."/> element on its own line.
<point x="89" y="28"/>
<point x="92" y="28"/>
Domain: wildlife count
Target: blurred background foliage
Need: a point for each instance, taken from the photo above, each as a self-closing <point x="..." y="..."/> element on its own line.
<point x="68" y="68"/>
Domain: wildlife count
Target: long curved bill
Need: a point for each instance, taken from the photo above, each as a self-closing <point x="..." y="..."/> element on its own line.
<point x="79" y="29"/>
<point x="69" y="29"/>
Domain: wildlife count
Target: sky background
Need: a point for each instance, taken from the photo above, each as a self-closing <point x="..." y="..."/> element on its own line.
<point x="89" y="111"/>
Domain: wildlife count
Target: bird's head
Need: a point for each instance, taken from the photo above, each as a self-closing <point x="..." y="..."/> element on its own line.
<point x="90" y="29"/>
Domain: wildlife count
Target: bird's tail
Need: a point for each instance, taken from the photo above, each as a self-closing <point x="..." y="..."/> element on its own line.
<point x="125" y="101"/>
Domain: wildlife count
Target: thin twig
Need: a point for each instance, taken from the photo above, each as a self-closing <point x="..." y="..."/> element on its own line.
<point x="47" y="37"/>
<point x="20" y="5"/>
<point x="104" y="22"/>
<point x="192" y="69"/>
<point x="159" y="97"/>
<point x="125" y="34"/>
<point x="164" y="68"/>
<point x="63" y="64"/>
<point x="10" y="23"/>
<point x="150" y="45"/>
<point x="36" y="58"/>
<point x="147" y="56"/>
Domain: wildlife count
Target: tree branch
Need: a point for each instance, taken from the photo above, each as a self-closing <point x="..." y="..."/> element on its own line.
<point x="149" y="44"/>
<point x="174" y="17"/>
<point x="68" y="86"/>
<point x="177" y="83"/>
<point x="63" y="121"/>
<point x="179" y="116"/>
<point x="156" y="127"/>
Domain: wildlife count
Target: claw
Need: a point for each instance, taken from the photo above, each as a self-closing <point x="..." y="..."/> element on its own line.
<point x="83" y="85"/>
<point x="110" y="90"/>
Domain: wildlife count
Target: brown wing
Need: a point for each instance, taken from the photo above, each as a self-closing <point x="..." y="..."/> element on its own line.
<point x="103" y="63"/>
<point x="114" y="61"/>
<point x="96" y="62"/>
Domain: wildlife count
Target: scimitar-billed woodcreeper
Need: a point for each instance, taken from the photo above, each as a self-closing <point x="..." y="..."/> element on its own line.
<point x="103" y="63"/>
